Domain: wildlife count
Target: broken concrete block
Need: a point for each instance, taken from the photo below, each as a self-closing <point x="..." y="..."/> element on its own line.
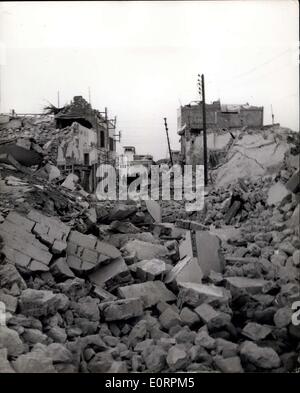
<point x="10" y="276"/>
<point x="186" y="270"/>
<point x="10" y="302"/>
<point x="277" y="193"/>
<point x="155" y="358"/>
<point x="112" y="275"/>
<point x="25" y="243"/>
<point x="118" y="367"/>
<point x="261" y="357"/>
<point x="60" y="269"/>
<point x="169" y="318"/>
<point x="121" y="212"/>
<point x="49" y="225"/>
<point x="124" y="227"/>
<point x="150" y="270"/>
<point x="107" y="249"/>
<point x="70" y="182"/>
<point x="85" y="241"/>
<point x="206" y="313"/>
<point x="154" y="210"/>
<point x="194" y="294"/>
<point x="233" y="210"/>
<point x="119" y="240"/>
<point x="20" y="221"/>
<point x="138" y="333"/>
<point x="143" y="250"/>
<point x="34" y="362"/>
<point x="229" y="365"/>
<point x="283" y="317"/>
<point x="186" y="246"/>
<point x="150" y="292"/>
<point x="58" y="247"/>
<point x="189" y="317"/>
<point x="16" y="257"/>
<point x="209" y="253"/>
<point x="91" y="216"/>
<point x="122" y="309"/>
<point x="5" y="366"/>
<point x="52" y="171"/>
<point x="251" y="285"/>
<point x="38" y="302"/>
<point x="177" y="358"/>
<point x="293" y="184"/>
<point x="37" y="266"/>
<point x="10" y="340"/>
<point x="226" y="348"/>
<point x="256" y="332"/>
<point x="204" y="340"/>
<point x="104" y="295"/>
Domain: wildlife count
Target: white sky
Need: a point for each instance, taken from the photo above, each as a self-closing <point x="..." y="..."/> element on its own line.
<point x="141" y="59"/>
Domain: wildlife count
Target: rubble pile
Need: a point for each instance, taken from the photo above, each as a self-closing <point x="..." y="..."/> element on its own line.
<point x="88" y="286"/>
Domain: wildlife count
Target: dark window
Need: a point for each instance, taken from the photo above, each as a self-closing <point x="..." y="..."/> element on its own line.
<point x="102" y="139"/>
<point x="86" y="159"/>
<point x="111" y="144"/>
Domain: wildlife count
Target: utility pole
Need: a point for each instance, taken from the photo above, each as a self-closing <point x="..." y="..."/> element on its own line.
<point x="89" y="95"/>
<point x="166" y="127"/>
<point x="201" y="89"/>
<point x="58" y="99"/>
<point x="272" y="114"/>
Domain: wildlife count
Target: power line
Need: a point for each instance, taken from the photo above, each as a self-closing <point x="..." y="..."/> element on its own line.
<point x="254" y="68"/>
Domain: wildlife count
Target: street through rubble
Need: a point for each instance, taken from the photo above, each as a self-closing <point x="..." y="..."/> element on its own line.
<point x="108" y="286"/>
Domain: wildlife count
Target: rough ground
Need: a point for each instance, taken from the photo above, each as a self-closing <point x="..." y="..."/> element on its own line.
<point x="101" y="287"/>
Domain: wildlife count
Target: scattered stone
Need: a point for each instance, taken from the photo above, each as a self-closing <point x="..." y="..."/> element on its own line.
<point x="10" y="340"/>
<point x="250" y="285"/>
<point x="150" y="293"/>
<point x="38" y="303"/>
<point x="144" y="250"/>
<point x="255" y="331"/>
<point x="283" y="317"/>
<point x="229" y="365"/>
<point x="261" y="357"/>
<point x="177" y="358"/>
<point x="189" y="317"/>
<point x="169" y="318"/>
<point x="112" y="275"/>
<point x="150" y="270"/>
<point x="155" y="358"/>
<point x="5" y="366"/>
<point x="122" y="309"/>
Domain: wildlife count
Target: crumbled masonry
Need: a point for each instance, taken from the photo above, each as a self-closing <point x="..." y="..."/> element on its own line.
<point x="105" y="287"/>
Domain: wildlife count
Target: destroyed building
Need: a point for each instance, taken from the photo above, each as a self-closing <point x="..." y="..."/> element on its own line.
<point x="93" y="141"/>
<point x="221" y="121"/>
<point x="76" y="140"/>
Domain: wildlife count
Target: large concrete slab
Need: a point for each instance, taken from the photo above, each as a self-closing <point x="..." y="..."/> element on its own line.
<point x="251" y="285"/>
<point x="186" y="270"/>
<point x="195" y="294"/>
<point x="185" y="246"/>
<point x="151" y="292"/>
<point x="209" y="252"/>
<point x="111" y="275"/>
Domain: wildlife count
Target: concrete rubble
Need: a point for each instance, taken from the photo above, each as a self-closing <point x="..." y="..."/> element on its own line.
<point x="90" y="286"/>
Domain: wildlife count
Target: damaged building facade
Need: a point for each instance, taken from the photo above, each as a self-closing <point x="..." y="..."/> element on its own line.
<point x="90" y="143"/>
<point x="221" y="121"/>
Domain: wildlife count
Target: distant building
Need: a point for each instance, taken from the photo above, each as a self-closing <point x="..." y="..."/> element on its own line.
<point x="218" y="117"/>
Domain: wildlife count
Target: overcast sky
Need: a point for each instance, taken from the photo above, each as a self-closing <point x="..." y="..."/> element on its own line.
<point x="141" y="59"/>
